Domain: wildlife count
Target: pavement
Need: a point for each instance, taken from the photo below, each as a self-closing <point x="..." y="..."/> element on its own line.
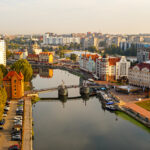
<point x="5" y="134"/>
<point x="27" y="126"/>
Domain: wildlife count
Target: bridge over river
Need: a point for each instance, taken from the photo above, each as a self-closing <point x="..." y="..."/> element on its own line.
<point x="38" y="91"/>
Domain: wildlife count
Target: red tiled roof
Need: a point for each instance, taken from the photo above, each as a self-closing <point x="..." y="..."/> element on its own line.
<point x="33" y="55"/>
<point x="112" y="61"/>
<point x="46" y="53"/>
<point x="11" y="74"/>
<point x="93" y="56"/>
<point x="142" y="65"/>
<point x="18" y="53"/>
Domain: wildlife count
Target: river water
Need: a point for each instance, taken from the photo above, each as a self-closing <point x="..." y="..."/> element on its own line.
<point x="81" y="125"/>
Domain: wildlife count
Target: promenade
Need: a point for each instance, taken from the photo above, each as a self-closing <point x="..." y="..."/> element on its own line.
<point x="27" y="125"/>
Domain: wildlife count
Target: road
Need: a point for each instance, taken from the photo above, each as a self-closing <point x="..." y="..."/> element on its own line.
<point x="5" y="135"/>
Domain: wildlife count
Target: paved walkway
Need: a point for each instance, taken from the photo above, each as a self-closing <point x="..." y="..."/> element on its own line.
<point x="138" y="109"/>
<point x="27" y="126"/>
<point x="5" y="135"/>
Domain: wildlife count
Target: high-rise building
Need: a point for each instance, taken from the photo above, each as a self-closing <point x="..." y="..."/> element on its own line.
<point x="2" y="52"/>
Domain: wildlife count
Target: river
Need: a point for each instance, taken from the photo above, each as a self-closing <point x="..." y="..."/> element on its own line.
<point x="81" y="125"/>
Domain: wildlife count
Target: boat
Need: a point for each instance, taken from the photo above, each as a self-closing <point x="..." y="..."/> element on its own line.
<point x="111" y="107"/>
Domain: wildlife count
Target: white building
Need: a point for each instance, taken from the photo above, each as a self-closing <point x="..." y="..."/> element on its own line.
<point x="143" y="54"/>
<point x="2" y="52"/>
<point x="139" y="75"/>
<point x="49" y="39"/>
<point x="122" y="68"/>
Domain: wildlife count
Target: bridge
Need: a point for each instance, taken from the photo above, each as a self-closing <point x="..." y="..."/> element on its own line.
<point x="56" y="88"/>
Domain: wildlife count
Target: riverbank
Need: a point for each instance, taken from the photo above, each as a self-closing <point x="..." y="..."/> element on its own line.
<point x="128" y="104"/>
<point x="27" y="125"/>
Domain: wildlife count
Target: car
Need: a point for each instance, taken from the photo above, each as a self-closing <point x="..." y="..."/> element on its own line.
<point x="16" y="138"/>
<point x="1" y="127"/>
<point x="5" y="114"/>
<point x="8" y="102"/>
<point x="2" y="122"/>
<point x="7" y="108"/>
<point x="18" y="118"/>
<point x="17" y="121"/>
<point x="14" y="147"/>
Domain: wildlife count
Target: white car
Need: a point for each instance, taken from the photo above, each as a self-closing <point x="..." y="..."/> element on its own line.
<point x="18" y="118"/>
<point x="7" y="108"/>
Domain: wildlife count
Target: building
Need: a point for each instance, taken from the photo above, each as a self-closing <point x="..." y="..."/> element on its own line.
<point x="122" y="68"/>
<point x="139" y="75"/>
<point x="87" y="62"/>
<point x="106" y="68"/>
<point x="14" y="85"/>
<point x="36" y="49"/>
<point x="25" y="53"/>
<point x="2" y="52"/>
<point x="89" y="42"/>
<point x="143" y="54"/>
<point x="46" y="57"/>
<point x="18" y="55"/>
<point x="51" y="39"/>
<point x="33" y="57"/>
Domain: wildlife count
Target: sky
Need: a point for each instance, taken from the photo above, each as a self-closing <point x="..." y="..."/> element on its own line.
<point x="74" y="16"/>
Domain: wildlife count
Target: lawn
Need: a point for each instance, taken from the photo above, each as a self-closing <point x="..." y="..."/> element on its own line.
<point x="144" y="104"/>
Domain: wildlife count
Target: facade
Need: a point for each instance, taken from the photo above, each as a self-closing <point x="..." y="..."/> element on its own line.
<point x="143" y="54"/>
<point x="50" y="39"/>
<point x="102" y="68"/>
<point x="2" y="52"/>
<point x="46" y="57"/>
<point x="122" y="68"/>
<point x="87" y="62"/>
<point x="18" y="55"/>
<point x="139" y="75"/>
<point x="106" y="68"/>
<point x="89" y="41"/>
<point x="33" y="57"/>
<point x="35" y="49"/>
<point x="14" y="85"/>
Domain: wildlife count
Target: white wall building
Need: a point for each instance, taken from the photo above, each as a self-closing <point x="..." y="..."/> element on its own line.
<point x="122" y="68"/>
<point x="59" y="40"/>
<point x="139" y="75"/>
<point x="2" y="52"/>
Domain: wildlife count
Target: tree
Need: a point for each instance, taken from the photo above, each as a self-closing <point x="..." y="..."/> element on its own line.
<point x="92" y="49"/>
<point x="23" y="66"/>
<point x="8" y="54"/>
<point x="1" y="77"/>
<point x="73" y="57"/>
<point x="3" y="69"/>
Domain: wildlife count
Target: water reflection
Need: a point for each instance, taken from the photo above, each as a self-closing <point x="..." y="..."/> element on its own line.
<point x="81" y="124"/>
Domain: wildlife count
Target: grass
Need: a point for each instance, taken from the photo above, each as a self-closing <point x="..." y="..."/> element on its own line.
<point x="132" y="120"/>
<point x="144" y="104"/>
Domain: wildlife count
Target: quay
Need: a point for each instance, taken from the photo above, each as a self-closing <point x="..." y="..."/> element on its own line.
<point x="27" y="125"/>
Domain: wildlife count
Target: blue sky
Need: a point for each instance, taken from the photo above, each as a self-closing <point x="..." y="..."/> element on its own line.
<point x="65" y="16"/>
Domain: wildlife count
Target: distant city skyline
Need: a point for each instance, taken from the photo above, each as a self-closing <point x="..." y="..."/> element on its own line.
<point x="74" y="16"/>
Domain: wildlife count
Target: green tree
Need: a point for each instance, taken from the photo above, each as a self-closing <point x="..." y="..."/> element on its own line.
<point x="3" y="99"/>
<point x="23" y="66"/>
<point x="73" y="57"/>
<point x="1" y="77"/>
<point x="3" y="69"/>
<point x="92" y="49"/>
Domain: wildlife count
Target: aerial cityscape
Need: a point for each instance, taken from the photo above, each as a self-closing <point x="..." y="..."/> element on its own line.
<point x="74" y="75"/>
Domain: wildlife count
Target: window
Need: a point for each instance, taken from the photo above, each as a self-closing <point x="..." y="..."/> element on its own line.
<point x="14" y="81"/>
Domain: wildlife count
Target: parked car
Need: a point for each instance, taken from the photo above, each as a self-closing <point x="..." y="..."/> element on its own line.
<point x="18" y="118"/>
<point x="5" y="114"/>
<point x="19" y="112"/>
<point x="2" y="122"/>
<point x="8" y="102"/>
<point x="7" y="108"/>
<point x="16" y="138"/>
<point x="1" y="127"/>
<point x="14" y="147"/>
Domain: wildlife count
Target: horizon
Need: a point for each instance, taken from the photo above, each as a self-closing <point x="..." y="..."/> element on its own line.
<point x="74" y="16"/>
